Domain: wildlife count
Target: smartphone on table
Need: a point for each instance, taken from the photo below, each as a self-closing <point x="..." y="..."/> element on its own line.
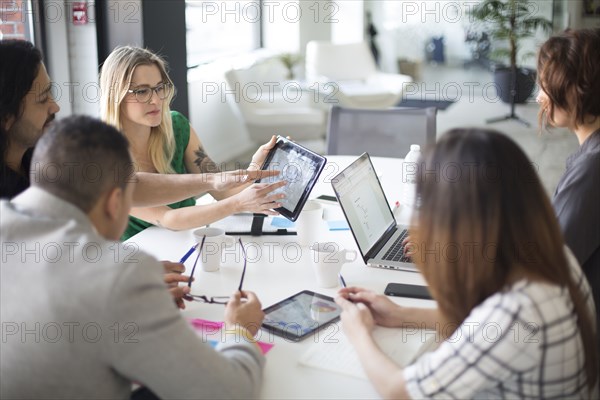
<point x="404" y="290"/>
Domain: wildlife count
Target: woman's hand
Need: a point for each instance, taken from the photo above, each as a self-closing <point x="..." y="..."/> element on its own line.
<point x="259" y="157"/>
<point x="384" y="311"/>
<point x="409" y="247"/>
<point x="222" y="181"/>
<point x="258" y="198"/>
<point x="357" y="320"/>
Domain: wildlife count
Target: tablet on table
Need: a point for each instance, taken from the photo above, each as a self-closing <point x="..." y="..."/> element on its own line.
<point x="300" y="315"/>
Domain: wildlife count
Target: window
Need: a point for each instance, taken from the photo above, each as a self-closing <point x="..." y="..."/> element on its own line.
<point x="221" y="28"/>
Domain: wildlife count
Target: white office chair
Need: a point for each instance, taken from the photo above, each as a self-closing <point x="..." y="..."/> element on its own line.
<point x="266" y="110"/>
<point x="352" y="69"/>
<point x="385" y="133"/>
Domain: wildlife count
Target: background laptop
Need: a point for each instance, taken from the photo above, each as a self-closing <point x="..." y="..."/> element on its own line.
<point x="369" y="216"/>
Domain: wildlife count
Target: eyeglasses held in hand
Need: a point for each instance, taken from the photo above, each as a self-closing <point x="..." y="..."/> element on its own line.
<point x="143" y="94"/>
<point x="214" y="299"/>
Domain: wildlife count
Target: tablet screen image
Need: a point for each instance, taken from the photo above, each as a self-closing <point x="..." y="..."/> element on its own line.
<point x="300" y="168"/>
<point x="300" y="315"/>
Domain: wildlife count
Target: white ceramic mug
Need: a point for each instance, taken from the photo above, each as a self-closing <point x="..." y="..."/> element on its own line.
<point x="328" y="259"/>
<point x="309" y="223"/>
<point x="212" y="250"/>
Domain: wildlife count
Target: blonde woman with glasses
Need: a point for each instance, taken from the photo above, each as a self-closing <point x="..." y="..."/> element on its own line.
<point x="136" y="96"/>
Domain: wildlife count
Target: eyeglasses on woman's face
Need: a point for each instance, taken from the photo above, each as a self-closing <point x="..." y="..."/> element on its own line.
<point x="143" y="94"/>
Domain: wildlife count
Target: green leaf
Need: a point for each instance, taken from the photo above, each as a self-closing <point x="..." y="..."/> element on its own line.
<point x="507" y="22"/>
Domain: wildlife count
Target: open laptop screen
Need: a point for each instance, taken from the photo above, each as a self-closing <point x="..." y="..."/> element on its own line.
<point x="364" y="203"/>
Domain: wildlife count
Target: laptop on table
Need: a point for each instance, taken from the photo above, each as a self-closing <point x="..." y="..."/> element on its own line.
<point x="373" y="225"/>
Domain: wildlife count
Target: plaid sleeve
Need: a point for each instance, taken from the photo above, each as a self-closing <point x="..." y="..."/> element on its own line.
<point x="492" y="344"/>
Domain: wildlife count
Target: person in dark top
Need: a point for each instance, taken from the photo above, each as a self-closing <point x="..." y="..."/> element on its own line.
<point x="372" y="32"/>
<point x="26" y="108"/>
<point x="570" y="84"/>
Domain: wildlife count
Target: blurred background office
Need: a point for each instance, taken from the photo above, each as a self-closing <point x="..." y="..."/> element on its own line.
<point x="241" y="67"/>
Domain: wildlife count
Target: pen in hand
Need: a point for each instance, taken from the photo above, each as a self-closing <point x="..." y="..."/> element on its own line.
<point x="342" y="281"/>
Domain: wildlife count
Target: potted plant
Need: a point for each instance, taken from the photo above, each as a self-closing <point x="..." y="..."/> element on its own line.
<point x="511" y="21"/>
<point x="289" y="60"/>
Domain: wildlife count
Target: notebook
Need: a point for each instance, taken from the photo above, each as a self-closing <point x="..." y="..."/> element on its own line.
<point x="373" y="225"/>
<point x="402" y="346"/>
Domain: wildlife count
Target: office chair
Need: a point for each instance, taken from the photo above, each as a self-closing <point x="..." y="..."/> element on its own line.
<point x="385" y="133"/>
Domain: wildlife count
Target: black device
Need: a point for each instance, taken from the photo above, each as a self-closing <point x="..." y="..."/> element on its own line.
<point x="300" y="167"/>
<point x="327" y="198"/>
<point x="403" y="290"/>
<point x="300" y="315"/>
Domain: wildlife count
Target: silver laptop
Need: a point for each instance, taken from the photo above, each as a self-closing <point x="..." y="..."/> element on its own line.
<point x="369" y="216"/>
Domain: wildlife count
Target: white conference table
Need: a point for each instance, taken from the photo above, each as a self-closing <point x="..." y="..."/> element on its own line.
<point x="278" y="268"/>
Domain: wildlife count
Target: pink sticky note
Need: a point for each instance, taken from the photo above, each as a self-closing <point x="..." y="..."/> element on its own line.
<point x="265" y="347"/>
<point x="206" y="326"/>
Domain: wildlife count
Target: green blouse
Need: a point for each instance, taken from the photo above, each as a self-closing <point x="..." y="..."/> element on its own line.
<point x="181" y="130"/>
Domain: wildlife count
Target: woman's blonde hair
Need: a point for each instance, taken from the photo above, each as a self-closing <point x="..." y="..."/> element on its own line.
<point x="115" y="79"/>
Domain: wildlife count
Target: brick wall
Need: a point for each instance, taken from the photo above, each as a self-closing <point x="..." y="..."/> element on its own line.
<point x="12" y="19"/>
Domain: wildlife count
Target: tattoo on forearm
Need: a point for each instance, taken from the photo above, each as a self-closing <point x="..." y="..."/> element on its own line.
<point x="204" y="163"/>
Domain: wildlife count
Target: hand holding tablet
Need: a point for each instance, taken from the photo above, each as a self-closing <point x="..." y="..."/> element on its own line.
<point x="299" y="167"/>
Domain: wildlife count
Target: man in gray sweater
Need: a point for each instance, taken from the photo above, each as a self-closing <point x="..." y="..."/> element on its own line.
<point x="84" y="316"/>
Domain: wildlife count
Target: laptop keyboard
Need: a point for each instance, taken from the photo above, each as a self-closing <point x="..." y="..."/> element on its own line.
<point x="396" y="250"/>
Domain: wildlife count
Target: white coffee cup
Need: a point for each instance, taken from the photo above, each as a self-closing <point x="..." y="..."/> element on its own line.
<point x="328" y="259"/>
<point x="214" y="243"/>
<point x="309" y="223"/>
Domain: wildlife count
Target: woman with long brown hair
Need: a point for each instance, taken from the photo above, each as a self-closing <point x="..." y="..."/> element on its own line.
<point x="514" y="313"/>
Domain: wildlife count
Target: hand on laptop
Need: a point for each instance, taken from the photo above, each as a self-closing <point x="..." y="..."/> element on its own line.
<point x="385" y="312"/>
<point x="409" y="247"/>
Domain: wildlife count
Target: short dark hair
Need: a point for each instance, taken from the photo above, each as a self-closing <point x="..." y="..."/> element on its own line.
<point x="79" y="158"/>
<point x="20" y="65"/>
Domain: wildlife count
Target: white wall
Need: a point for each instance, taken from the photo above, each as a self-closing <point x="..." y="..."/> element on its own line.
<point x="282" y="28"/>
<point x="347" y="21"/>
<point x="316" y="22"/>
<point x="58" y="53"/>
<point x="73" y="60"/>
<point x="124" y="20"/>
<point x="83" y="63"/>
<point x="221" y="131"/>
